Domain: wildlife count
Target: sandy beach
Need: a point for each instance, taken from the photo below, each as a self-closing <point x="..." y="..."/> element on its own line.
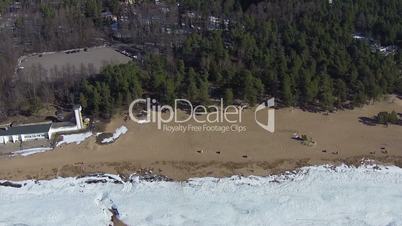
<point x="340" y="138"/>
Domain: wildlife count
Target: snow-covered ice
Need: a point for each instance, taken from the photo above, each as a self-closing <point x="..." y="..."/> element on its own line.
<point x="119" y="131"/>
<point x="30" y="151"/>
<point x="319" y="195"/>
<point x="74" y="138"/>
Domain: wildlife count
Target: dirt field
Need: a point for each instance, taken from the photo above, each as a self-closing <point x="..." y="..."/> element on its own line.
<point x="58" y="63"/>
<point x="340" y="137"/>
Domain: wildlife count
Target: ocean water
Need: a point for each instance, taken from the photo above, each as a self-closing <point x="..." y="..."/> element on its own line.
<point x="320" y="195"/>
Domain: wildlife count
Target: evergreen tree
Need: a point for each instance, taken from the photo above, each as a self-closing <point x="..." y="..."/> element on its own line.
<point x="192" y="91"/>
<point x="393" y="117"/>
<point x="106" y="106"/>
<point x="95" y="102"/>
<point x="204" y="92"/>
<point x="170" y="91"/>
<point x="250" y="93"/>
<point x="228" y="98"/>
<point x="340" y="91"/>
<point x="83" y="101"/>
<point x="326" y="93"/>
<point x="287" y="91"/>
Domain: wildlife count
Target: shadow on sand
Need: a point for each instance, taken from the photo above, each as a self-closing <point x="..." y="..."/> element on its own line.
<point x="373" y="122"/>
<point x="368" y="121"/>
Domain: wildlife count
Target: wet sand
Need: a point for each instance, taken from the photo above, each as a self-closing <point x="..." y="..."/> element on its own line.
<point x="197" y="154"/>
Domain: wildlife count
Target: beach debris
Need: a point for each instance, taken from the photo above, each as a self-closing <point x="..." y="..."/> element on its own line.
<point x="335" y="152"/>
<point x="372" y="152"/>
<point x="200" y="151"/>
<point x="304" y="139"/>
<point x="376" y="167"/>
<point x="296" y="136"/>
<point x="218" y="152"/>
<point x="384" y="149"/>
<point x="245" y="156"/>
<point x="275" y="181"/>
<point x="153" y="178"/>
<point x="147" y="176"/>
<point x="96" y="181"/>
<point x="96" y="178"/>
<point x="103" y="181"/>
<point x="324" y="151"/>
<point x="10" y="184"/>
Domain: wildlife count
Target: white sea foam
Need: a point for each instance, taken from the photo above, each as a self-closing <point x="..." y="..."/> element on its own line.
<point x="312" y="196"/>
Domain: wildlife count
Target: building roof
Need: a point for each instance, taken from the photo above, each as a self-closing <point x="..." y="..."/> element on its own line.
<point x="25" y="129"/>
<point x="62" y="124"/>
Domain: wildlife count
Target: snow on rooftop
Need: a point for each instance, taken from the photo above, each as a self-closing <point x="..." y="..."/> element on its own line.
<point x="322" y="195"/>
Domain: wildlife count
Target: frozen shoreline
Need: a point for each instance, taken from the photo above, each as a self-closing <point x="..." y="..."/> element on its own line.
<point x="317" y="195"/>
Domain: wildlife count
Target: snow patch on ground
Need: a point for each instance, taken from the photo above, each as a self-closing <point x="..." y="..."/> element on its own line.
<point x="143" y="121"/>
<point x="74" y="138"/>
<point x="30" y="151"/>
<point x="119" y="131"/>
<point x="321" y="195"/>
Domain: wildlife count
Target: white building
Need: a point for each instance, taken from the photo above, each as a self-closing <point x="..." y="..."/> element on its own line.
<point x="25" y="133"/>
<point x="44" y="130"/>
<point x="60" y="127"/>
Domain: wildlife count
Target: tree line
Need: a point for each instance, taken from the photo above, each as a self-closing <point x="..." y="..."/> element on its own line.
<point x="301" y="52"/>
